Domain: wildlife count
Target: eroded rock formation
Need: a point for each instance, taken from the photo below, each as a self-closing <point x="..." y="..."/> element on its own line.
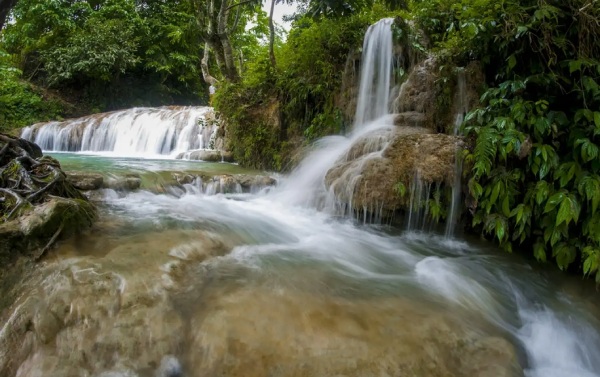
<point x="368" y="179"/>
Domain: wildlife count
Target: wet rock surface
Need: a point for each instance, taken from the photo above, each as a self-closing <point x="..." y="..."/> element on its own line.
<point x="130" y="182"/>
<point x="206" y="155"/>
<point x="85" y="180"/>
<point x="171" y="303"/>
<point x="374" y="165"/>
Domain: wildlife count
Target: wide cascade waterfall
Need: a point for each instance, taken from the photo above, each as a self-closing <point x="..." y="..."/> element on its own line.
<point x="137" y="132"/>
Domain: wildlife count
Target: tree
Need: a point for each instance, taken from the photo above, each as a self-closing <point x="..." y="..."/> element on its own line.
<point x="215" y="14"/>
<point x="5" y="7"/>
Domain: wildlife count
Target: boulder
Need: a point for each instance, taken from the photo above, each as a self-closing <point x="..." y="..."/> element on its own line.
<point x="37" y="201"/>
<point x="417" y="92"/>
<point x="38" y="226"/>
<point x="251" y="183"/>
<point x="367" y="180"/>
<point x="130" y="182"/>
<point x="85" y="180"/>
<point x="207" y="155"/>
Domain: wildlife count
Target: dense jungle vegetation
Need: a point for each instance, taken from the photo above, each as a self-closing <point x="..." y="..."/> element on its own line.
<point x="533" y="166"/>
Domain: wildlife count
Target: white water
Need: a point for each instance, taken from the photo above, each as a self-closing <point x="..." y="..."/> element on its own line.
<point x="461" y="108"/>
<point x="306" y="185"/>
<point x="559" y="338"/>
<point x="376" y="73"/>
<point x="138" y="132"/>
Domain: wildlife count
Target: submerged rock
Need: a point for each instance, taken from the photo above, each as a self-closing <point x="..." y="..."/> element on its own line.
<point x="85" y="180"/>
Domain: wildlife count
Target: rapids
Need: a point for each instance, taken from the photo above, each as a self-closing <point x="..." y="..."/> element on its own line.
<point x="253" y="285"/>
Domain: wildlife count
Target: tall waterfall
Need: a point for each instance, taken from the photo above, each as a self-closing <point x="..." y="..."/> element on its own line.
<point x="461" y="108"/>
<point x="145" y="132"/>
<point x="306" y="184"/>
<point x="376" y="73"/>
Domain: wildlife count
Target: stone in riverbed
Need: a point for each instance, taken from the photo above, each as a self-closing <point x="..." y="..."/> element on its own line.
<point x="85" y="180"/>
<point x="130" y="182"/>
<point x="207" y="155"/>
<point x="252" y="183"/>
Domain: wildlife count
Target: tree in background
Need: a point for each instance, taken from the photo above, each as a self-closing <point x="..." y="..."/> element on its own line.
<point x="5" y="7"/>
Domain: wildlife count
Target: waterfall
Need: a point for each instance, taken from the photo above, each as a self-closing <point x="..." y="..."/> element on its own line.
<point x="461" y="108"/>
<point x="139" y="132"/>
<point x="376" y="73"/>
<point x="306" y="185"/>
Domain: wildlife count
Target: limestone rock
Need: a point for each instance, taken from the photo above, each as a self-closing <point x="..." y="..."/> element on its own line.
<point x="366" y="179"/>
<point x="35" y="228"/>
<point x="85" y="180"/>
<point x="130" y="182"/>
<point x="252" y="183"/>
<point x="410" y="119"/>
<point x="207" y="155"/>
<point x="416" y="93"/>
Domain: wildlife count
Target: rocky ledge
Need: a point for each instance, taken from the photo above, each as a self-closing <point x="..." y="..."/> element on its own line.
<point x="177" y="183"/>
<point x="367" y="177"/>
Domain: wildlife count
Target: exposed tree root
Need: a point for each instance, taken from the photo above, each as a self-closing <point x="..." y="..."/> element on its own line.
<point x="27" y="177"/>
<point x="51" y="242"/>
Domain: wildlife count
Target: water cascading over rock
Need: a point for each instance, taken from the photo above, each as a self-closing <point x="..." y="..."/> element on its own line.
<point x="371" y="176"/>
<point x="174" y="132"/>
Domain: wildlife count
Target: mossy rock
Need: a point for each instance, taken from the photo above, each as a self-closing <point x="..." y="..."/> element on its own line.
<point x="29" y="234"/>
<point x="367" y="180"/>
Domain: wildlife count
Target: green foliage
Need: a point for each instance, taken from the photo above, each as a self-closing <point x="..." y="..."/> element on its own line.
<point x="337" y="8"/>
<point x="20" y="103"/>
<point x="101" y="51"/>
<point x="110" y="53"/>
<point x="535" y="169"/>
<point x="296" y="99"/>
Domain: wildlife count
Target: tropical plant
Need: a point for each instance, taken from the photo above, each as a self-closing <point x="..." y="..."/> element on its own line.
<point x="535" y="170"/>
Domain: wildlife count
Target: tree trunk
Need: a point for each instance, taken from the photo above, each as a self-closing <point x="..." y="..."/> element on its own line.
<point x="272" y="35"/>
<point x="5" y="7"/>
<point x="231" y="71"/>
<point x="208" y="78"/>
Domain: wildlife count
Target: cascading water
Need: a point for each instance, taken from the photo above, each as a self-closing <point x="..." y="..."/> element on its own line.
<point x="307" y="184"/>
<point x="461" y="108"/>
<point x="376" y="73"/>
<point x="139" y="132"/>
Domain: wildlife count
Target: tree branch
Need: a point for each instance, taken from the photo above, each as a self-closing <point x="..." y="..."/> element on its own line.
<point x="241" y="3"/>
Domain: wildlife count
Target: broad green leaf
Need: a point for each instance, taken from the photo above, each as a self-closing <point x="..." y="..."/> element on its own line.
<point x="554" y="200"/>
<point x="539" y="251"/>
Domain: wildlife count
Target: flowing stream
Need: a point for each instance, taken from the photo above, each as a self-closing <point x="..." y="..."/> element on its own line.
<point x="271" y="284"/>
